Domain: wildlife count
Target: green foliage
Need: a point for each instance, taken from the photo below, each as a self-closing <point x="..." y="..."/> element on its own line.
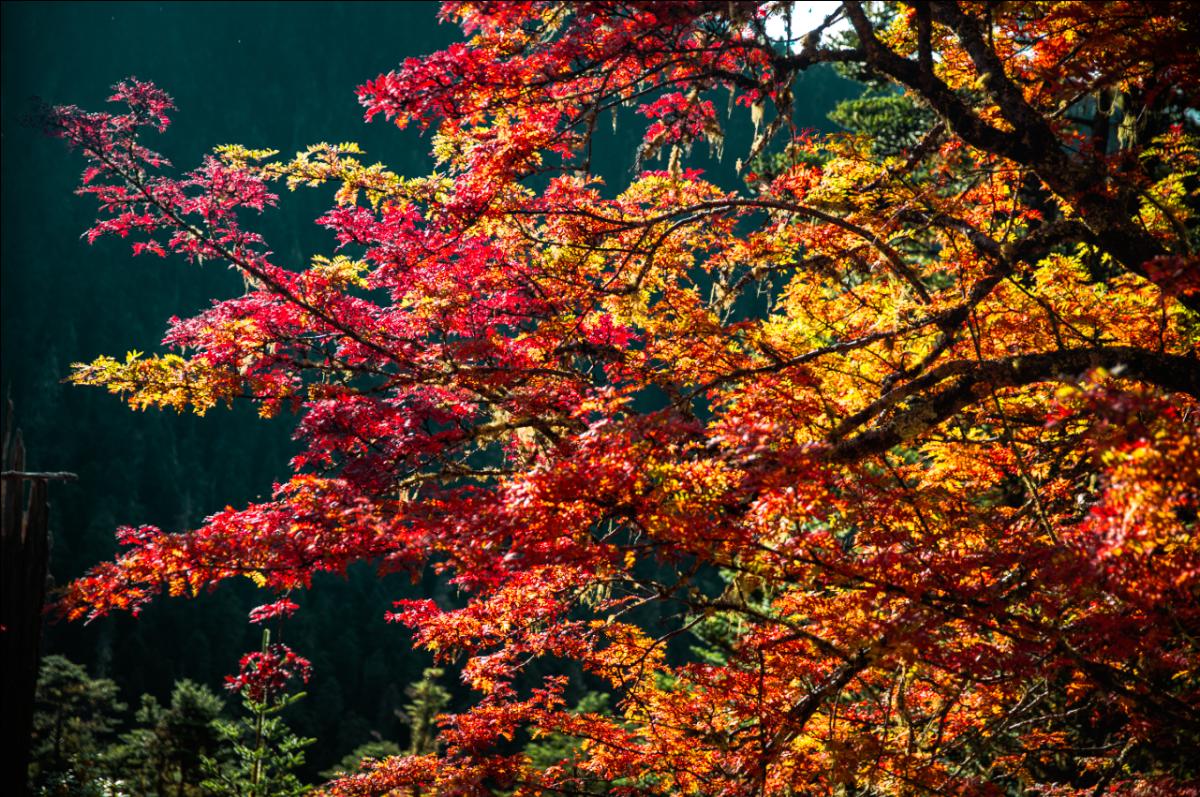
<point x="163" y="755"/>
<point x="429" y="698"/>
<point x="183" y="749"/>
<point x="266" y="754"/>
<point x="894" y="122"/>
<point x="75" y="715"/>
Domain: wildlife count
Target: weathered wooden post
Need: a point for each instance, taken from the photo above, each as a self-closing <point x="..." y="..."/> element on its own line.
<point x="24" y="556"/>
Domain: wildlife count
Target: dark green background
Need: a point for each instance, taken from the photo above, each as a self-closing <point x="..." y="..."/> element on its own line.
<point x="266" y="75"/>
<point x="278" y="75"/>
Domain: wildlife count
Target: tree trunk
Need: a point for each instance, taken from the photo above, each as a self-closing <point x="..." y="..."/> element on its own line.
<point x="24" y="555"/>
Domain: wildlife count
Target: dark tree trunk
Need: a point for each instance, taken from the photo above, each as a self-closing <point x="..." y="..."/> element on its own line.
<point x="24" y="554"/>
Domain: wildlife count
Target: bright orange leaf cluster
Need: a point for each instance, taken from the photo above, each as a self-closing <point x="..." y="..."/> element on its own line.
<point x="906" y="446"/>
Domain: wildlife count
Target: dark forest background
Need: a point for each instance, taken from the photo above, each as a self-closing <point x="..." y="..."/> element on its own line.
<point x="277" y="75"/>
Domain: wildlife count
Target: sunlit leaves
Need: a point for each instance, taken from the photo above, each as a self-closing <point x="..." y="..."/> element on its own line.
<point x="907" y="444"/>
<point x="160" y="381"/>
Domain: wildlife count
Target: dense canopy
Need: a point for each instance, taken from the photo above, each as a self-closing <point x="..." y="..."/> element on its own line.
<point x="899" y="436"/>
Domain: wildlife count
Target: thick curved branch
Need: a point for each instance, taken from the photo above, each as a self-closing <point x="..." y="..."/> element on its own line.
<point x="1032" y="142"/>
<point x="969" y="380"/>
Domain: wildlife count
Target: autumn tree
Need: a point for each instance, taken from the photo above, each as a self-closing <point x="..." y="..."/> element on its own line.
<point x="928" y="402"/>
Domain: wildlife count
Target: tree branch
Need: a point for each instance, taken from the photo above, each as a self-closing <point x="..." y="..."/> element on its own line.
<point x="972" y="380"/>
